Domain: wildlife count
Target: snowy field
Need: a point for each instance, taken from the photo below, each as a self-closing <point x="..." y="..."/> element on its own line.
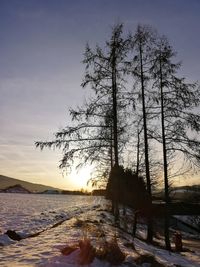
<point x="62" y="221"/>
<point x="29" y="214"/>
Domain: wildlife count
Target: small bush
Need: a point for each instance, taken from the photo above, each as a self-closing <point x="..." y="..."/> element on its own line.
<point x="111" y="252"/>
<point x="87" y="252"/>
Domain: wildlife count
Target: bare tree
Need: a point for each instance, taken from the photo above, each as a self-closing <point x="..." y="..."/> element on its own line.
<point x="98" y="125"/>
<point x="179" y="122"/>
<point x="142" y="45"/>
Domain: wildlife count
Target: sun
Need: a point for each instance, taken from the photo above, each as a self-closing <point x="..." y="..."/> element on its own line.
<point x="79" y="178"/>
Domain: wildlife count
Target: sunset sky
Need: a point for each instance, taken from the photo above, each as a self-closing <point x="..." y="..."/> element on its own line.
<point x="41" y="49"/>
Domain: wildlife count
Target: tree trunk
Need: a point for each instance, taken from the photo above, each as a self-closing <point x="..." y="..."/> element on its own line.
<point x="167" y="198"/>
<point x="138" y="154"/>
<point x="114" y="98"/>
<point x="149" y="219"/>
<point x="115" y="127"/>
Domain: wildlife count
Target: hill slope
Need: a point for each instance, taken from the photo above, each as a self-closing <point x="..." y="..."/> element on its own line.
<point x="8" y="181"/>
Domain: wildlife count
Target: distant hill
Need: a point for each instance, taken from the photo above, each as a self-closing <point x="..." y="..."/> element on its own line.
<point x="8" y="181"/>
<point x="189" y="193"/>
<point x="195" y="187"/>
<point x="15" y="189"/>
<point x="186" y="193"/>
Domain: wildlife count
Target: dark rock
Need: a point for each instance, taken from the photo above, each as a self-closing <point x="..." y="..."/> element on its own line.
<point x="13" y="235"/>
<point x="148" y="259"/>
<point x="129" y="245"/>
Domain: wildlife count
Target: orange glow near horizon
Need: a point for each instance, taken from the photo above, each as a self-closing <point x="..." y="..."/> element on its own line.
<point x="80" y="178"/>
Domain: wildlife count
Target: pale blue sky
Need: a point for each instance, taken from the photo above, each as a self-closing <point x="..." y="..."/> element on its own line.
<point x="41" y="48"/>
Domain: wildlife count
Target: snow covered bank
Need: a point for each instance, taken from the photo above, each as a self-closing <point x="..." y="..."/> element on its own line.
<point x="94" y="223"/>
<point x="28" y="214"/>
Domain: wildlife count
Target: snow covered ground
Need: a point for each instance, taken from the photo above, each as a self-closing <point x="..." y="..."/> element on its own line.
<point x="28" y="214"/>
<point x="190" y="220"/>
<point x="83" y="218"/>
